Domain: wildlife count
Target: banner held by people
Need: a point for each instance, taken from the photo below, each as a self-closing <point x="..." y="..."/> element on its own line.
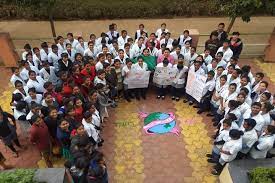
<point x="164" y="75"/>
<point x="138" y="79"/>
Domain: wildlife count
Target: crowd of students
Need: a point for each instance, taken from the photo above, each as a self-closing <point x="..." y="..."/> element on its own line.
<point x="63" y="92"/>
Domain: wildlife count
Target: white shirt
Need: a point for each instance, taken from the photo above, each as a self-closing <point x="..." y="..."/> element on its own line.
<point x="98" y="66"/>
<point x="265" y="144"/>
<point x="154" y="52"/>
<point x="167" y="42"/>
<point x="121" y="41"/>
<point x="122" y="61"/>
<point x="38" y="84"/>
<point x="15" y="78"/>
<point x="25" y="73"/>
<point x="267" y="118"/>
<point x="226" y="97"/>
<point x="53" y="58"/>
<point x="218" y="90"/>
<point x="61" y="48"/>
<point x="159" y="31"/>
<point x="200" y="71"/>
<point x="17" y="113"/>
<point x="137" y="67"/>
<point x="184" y="50"/>
<point x="81" y="48"/>
<point x="74" y="43"/>
<point x="209" y="86"/>
<point x="227" y="54"/>
<point x="97" y="80"/>
<point x="96" y="118"/>
<point x="232" y="146"/>
<point x="174" y="55"/>
<point x="49" y="76"/>
<point x="90" y="53"/>
<point x="98" y="41"/>
<point x="243" y="108"/>
<point x="37" y="100"/>
<point x="190" y="58"/>
<point x="136" y="51"/>
<point x="161" y="65"/>
<point x="91" y="131"/>
<point x="72" y="55"/>
<point x="44" y="55"/>
<point x="208" y="59"/>
<point x="258" y="118"/>
<point x="249" y="138"/>
<point x="183" y="39"/>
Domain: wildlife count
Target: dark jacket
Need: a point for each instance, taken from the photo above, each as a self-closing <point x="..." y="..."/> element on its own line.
<point x="213" y="46"/>
<point x="63" y="67"/>
<point x="222" y="37"/>
<point x="236" y="47"/>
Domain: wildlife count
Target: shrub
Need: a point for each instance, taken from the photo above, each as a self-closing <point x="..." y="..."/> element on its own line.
<point x="17" y="176"/>
<point x="262" y="175"/>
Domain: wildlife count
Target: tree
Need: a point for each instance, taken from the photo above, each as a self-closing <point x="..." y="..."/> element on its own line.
<point x="50" y="9"/>
<point x="240" y="8"/>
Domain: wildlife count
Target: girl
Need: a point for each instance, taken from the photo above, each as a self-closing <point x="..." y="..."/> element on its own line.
<point x="16" y="76"/>
<point x="229" y="150"/>
<point x="162" y="89"/>
<point x="148" y="59"/>
<point x="48" y="102"/>
<point x="266" y="108"/>
<point x="78" y="109"/>
<point x="179" y="81"/>
<point x="8" y="131"/>
<point x="206" y="56"/>
<point x="91" y="129"/>
<point x="33" y="96"/>
<point x="265" y="97"/>
<point x="63" y="133"/>
<point x="36" y="82"/>
<point x="91" y="51"/>
<point x="54" y="56"/>
<point x="186" y="48"/>
<point x="89" y="71"/>
<point x="77" y="94"/>
<point x="77" y="77"/>
<point x="65" y="64"/>
<point x="86" y="87"/>
<point x="52" y="122"/>
<point x="166" y="55"/>
<point x="212" y="43"/>
<point x="125" y="71"/>
<point x="140" y="66"/>
<point x="111" y="80"/>
<point x="48" y="73"/>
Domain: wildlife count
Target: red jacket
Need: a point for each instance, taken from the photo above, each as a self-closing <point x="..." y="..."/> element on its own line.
<point x="40" y="136"/>
<point x="90" y="74"/>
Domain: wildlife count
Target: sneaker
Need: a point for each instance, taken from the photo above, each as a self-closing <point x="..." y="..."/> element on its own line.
<point x="144" y="97"/>
<point x="210" y="160"/>
<point x="185" y="101"/>
<point x="209" y="155"/>
<point x="158" y="97"/>
<point x="214" y="172"/>
<point x="162" y="97"/>
<point x="200" y="111"/>
<point x="128" y="100"/>
<point x="209" y="114"/>
<point x="177" y="99"/>
<point x="191" y="103"/>
<point x="173" y="97"/>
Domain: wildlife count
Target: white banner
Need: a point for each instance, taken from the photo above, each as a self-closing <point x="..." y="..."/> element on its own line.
<point x="138" y="79"/>
<point x="164" y="75"/>
<point x="195" y="84"/>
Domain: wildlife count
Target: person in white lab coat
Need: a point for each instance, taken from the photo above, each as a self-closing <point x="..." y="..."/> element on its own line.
<point x="140" y="66"/>
<point x="184" y="37"/>
<point x="227" y="52"/>
<point x="91" y="51"/>
<point x="125" y="73"/>
<point x="36" y="82"/>
<point x="28" y="49"/>
<point x="139" y="31"/>
<point x="36" y="57"/>
<point x="167" y="40"/>
<point x="190" y="57"/>
<point x="122" y="39"/>
<point x="35" y="63"/>
<point x="179" y="81"/>
<point x="112" y="33"/>
<point x="61" y="45"/>
<point x="70" y="51"/>
<point x="255" y="82"/>
<point x="121" y="57"/>
<point x="264" y="144"/>
<point x="249" y="138"/>
<point x="24" y="74"/>
<point x="161" y="30"/>
<point x="48" y="73"/>
<point x="91" y="129"/>
<point x="44" y="51"/>
<point x="70" y="39"/>
<point x="33" y="96"/>
<point x="137" y="48"/>
<point x="54" y="56"/>
<point x="16" y="76"/>
<point x="266" y="108"/>
<point x="81" y="46"/>
<point x="229" y="150"/>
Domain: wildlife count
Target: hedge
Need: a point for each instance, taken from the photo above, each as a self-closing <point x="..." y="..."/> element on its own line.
<point x="262" y="175"/>
<point x="102" y="9"/>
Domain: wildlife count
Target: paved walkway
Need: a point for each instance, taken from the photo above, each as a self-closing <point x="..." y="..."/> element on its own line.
<point x="132" y="155"/>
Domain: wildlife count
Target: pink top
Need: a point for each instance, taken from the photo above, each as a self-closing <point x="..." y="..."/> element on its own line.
<point x="170" y="59"/>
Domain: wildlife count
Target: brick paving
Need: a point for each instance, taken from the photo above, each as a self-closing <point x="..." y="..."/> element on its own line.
<point x="132" y="155"/>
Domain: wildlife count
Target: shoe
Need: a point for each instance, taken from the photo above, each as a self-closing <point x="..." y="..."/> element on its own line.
<point x="195" y="106"/>
<point x="177" y="99"/>
<point x="144" y="97"/>
<point x="191" y="103"/>
<point x="162" y="97"/>
<point x="209" y="155"/>
<point x="209" y="114"/>
<point x="210" y="160"/>
<point x="138" y="98"/>
<point x="158" y="97"/>
<point x="173" y="98"/>
<point x="128" y="100"/>
<point x="185" y="101"/>
<point x="200" y="111"/>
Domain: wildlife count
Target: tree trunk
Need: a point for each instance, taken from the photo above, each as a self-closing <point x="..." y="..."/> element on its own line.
<point x="52" y="25"/>
<point x="230" y="24"/>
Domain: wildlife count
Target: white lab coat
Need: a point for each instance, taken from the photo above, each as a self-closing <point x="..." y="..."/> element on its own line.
<point x="49" y="76"/>
<point x="122" y="61"/>
<point x="98" y="66"/>
<point x="227" y="54"/>
<point x="208" y="59"/>
<point x="154" y="52"/>
<point x="72" y="55"/>
<point x="218" y="90"/>
<point x="53" y="58"/>
<point x="15" y="78"/>
<point x="137" y="67"/>
<point x="81" y="48"/>
<point x="25" y="73"/>
<point x="37" y="100"/>
<point x="121" y="41"/>
<point x="258" y="118"/>
<point x="183" y="40"/>
<point x="226" y="97"/>
<point x="98" y="41"/>
<point x="267" y="118"/>
<point x="233" y="146"/>
<point x="209" y="86"/>
<point x="180" y="77"/>
<point x="249" y="138"/>
<point x="96" y="118"/>
<point x="124" y="72"/>
<point x="38" y="84"/>
<point x="61" y="48"/>
<point x="91" y="130"/>
<point x="44" y="55"/>
<point x="74" y="43"/>
<point x="189" y="59"/>
<point x="90" y="53"/>
<point x="136" y="51"/>
<point x="265" y="144"/>
<point x="167" y="42"/>
<point x="159" y="31"/>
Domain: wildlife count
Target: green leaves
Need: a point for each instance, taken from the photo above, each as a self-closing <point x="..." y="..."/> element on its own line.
<point x="262" y="175"/>
<point x="17" y="176"/>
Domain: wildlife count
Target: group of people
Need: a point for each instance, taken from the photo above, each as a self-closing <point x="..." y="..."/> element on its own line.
<point x="63" y="92"/>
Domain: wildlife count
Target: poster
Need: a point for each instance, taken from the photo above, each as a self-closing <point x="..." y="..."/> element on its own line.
<point x="138" y="79"/>
<point x="195" y="84"/>
<point x="164" y="75"/>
